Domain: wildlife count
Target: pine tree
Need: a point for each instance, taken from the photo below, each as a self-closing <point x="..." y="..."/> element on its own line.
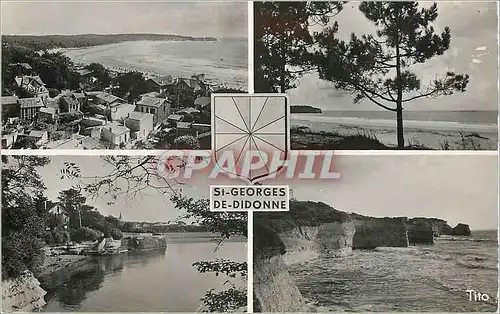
<point x="283" y="40"/>
<point x="377" y="67"/>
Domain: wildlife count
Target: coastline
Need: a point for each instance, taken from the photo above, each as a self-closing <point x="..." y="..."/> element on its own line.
<point x="144" y="56"/>
<point x="429" y="134"/>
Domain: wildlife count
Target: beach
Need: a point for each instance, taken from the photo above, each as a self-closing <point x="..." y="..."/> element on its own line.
<point x="429" y="134"/>
<point x="224" y="62"/>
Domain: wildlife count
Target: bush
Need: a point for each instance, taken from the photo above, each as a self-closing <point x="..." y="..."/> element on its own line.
<point x="20" y="253"/>
<point x="186" y="142"/>
<point x="113" y="233"/>
<point x="84" y="234"/>
<point x="56" y="236"/>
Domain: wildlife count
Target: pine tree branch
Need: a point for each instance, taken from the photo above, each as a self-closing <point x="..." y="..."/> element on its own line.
<point x="371" y="97"/>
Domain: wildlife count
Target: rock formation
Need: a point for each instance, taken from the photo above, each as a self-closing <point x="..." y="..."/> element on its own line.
<point x="379" y="232"/>
<point x="309" y="228"/>
<point x="273" y="287"/>
<point x="461" y="229"/>
<point x="420" y="232"/>
<point x="441" y="227"/>
<point x="22" y="294"/>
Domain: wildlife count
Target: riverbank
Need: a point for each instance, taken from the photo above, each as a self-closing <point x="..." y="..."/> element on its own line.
<point x="353" y="133"/>
<point x="53" y="264"/>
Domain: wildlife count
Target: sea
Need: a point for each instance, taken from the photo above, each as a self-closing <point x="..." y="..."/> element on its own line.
<point x="464" y="117"/>
<point x="148" y="281"/>
<point x="423" y="278"/>
<point x="224" y="61"/>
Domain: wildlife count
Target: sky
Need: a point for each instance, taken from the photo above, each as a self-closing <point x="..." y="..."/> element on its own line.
<point x="473" y="50"/>
<point x="202" y="18"/>
<point x="455" y="188"/>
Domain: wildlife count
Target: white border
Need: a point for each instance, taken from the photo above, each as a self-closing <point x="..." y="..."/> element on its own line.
<point x="287" y="196"/>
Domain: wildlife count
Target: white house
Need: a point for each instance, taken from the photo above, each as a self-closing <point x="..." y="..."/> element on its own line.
<point x="115" y="134"/>
<point x="140" y="124"/>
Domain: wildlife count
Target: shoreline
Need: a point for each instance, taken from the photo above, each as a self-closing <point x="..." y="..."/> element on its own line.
<point x="214" y="75"/>
<point x="57" y="263"/>
<point x="423" y="134"/>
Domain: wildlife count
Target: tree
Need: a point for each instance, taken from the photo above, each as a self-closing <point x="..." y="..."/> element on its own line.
<point x="129" y="176"/>
<point x="72" y="200"/>
<point x="376" y="67"/>
<point x="23" y="224"/>
<point x="283" y="40"/>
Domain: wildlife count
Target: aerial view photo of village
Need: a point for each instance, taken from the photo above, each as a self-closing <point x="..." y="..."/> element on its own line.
<point x="90" y="85"/>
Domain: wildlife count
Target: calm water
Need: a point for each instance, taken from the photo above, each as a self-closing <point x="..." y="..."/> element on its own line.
<point x="465" y="117"/>
<point x="224" y="61"/>
<point x="144" y="282"/>
<point x="418" y="278"/>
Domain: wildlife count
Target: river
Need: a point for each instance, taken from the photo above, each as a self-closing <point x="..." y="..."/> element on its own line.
<point x="145" y="282"/>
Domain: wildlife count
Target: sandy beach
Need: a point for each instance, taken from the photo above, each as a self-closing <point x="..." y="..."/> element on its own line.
<point x="429" y="134"/>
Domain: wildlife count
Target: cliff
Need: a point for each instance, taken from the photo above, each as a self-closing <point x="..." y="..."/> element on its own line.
<point x="22" y="294"/>
<point x="310" y="229"/>
<point x="304" y="109"/>
<point x="421" y="232"/>
<point x="441" y="227"/>
<point x="279" y="238"/>
<point x="374" y="232"/>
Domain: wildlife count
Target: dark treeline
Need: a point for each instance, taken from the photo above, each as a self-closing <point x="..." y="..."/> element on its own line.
<point x="133" y="227"/>
<point x="85" y="40"/>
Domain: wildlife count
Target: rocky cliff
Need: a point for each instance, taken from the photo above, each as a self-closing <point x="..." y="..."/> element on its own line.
<point x="308" y="230"/>
<point x="22" y="294"/>
<point x="379" y="232"/>
<point x="421" y="232"/>
<point x="441" y="227"/>
<point x="273" y="287"/>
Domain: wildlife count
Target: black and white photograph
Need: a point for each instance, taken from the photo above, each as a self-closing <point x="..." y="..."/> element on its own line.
<point x="382" y="75"/>
<point x="114" y="234"/>
<point x="393" y="234"/>
<point x="118" y="75"/>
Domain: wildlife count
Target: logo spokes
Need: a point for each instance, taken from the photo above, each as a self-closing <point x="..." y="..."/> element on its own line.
<point x="250" y="126"/>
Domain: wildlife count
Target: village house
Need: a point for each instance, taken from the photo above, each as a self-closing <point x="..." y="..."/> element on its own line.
<point x="174" y="118"/>
<point x="85" y="78"/>
<point x="39" y="137"/>
<point x="9" y="138"/>
<point x="29" y="108"/>
<point x="158" y="107"/>
<point x="140" y="125"/>
<point x="69" y="104"/>
<point x="119" y="111"/>
<point x="20" y="69"/>
<point x="115" y="134"/>
<point x="33" y="85"/>
<point x="10" y="107"/>
<point x="202" y="102"/>
<point x="160" y="84"/>
<point x="61" y="213"/>
<point x="47" y="113"/>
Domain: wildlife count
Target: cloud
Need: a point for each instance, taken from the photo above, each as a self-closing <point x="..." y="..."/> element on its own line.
<point x="473" y="25"/>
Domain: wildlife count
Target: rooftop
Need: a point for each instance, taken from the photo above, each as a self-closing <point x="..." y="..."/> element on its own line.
<point x="116" y="128"/>
<point x="162" y="81"/>
<point x="151" y="102"/>
<point x="202" y="101"/>
<point x="135" y="115"/>
<point x="9" y="100"/>
<point x="30" y="102"/>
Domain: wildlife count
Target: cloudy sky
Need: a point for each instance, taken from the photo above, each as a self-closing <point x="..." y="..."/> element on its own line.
<point x="455" y="188"/>
<point x="203" y="18"/>
<point x="473" y="50"/>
